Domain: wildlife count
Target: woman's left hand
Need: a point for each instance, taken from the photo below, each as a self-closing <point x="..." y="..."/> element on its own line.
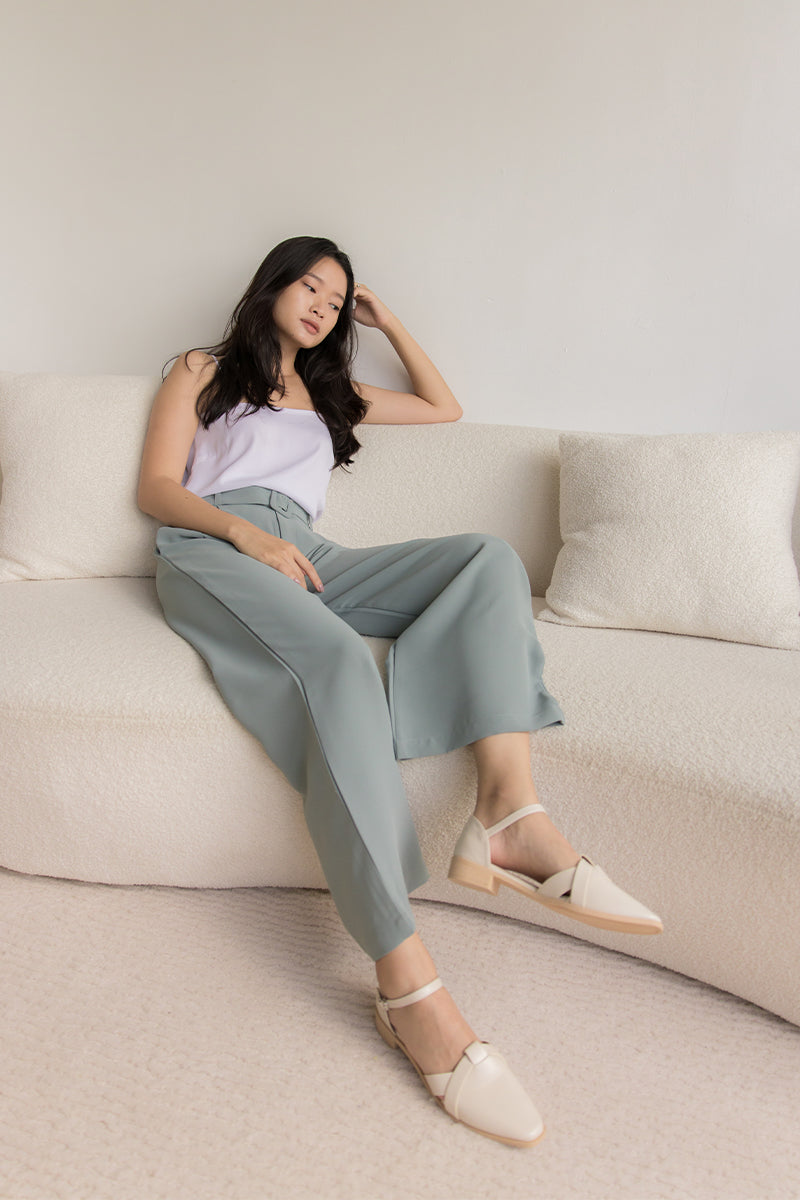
<point x="431" y="400"/>
<point x="369" y="309"/>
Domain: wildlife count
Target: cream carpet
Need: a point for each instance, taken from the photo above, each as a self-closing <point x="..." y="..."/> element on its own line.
<point x="162" y="1044"/>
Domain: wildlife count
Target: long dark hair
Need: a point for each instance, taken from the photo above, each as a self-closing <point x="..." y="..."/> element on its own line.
<point x="249" y="355"/>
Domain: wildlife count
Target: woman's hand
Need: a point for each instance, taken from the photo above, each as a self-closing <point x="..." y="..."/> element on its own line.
<point x="370" y="310"/>
<point x="274" y="552"/>
<point x="431" y="400"/>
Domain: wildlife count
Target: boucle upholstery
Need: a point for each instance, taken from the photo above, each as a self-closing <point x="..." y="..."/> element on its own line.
<point x="684" y="533"/>
<point x="68" y="451"/>
<point x="677" y="769"/>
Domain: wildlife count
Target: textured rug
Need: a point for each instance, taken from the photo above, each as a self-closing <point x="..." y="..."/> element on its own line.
<point x="162" y="1044"/>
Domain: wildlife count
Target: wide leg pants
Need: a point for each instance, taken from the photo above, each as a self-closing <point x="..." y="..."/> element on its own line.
<point x="293" y="668"/>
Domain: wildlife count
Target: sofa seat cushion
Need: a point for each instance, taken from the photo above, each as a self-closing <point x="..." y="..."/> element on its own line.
<point x="677" y="770"/>
<point x="124" y="762"/>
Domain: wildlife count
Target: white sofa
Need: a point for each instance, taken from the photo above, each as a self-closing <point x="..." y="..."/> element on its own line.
<point x="678" y="768"/>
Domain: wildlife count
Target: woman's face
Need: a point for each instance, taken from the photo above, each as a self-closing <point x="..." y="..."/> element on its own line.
<point x="307" y="310"/>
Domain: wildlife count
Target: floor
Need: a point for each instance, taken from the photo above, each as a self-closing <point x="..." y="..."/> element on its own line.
<point x="165" y="1044"/>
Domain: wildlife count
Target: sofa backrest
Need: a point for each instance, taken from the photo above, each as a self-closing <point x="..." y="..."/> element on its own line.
<point x="426" y="480"/>
<point x="70" y="449"/>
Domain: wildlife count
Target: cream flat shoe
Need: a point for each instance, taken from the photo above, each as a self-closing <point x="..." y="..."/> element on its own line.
<point x="583" y="892"/>
<point x="481" y="1092"/>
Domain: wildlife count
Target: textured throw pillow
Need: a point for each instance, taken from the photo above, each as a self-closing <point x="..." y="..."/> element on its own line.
<point x="684" y="534"/>
<point x="69" y="456"/>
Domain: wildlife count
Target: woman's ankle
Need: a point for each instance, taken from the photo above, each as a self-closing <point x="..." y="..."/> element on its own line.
<point x="495" y="804"/>
<point x="432" y="1028"/>
<point x="408" y="967"/>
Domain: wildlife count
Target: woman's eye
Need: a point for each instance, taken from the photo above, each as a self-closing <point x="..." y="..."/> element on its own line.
<point x="310" y="288"/>
<point x="335" y="307"/>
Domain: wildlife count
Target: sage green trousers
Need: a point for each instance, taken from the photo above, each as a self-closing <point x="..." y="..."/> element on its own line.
<point x="293" y="668"/>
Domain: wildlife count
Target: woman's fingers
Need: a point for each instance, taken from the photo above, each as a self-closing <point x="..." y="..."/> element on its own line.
<point x="275" y="552"/>
<point x="296" y="566"/>
<point x="307" y="569"/>
<point x="368" y="308"/>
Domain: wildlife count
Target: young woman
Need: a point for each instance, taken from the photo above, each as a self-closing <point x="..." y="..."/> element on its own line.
<point x="241" y="443"/>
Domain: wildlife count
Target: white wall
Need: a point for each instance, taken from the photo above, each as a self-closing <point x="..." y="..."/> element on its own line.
<point x="587" y="210"/>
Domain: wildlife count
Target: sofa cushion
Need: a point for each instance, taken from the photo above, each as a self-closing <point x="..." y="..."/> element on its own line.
<point x="687" y="534"/>
<point x="69" y="451"/>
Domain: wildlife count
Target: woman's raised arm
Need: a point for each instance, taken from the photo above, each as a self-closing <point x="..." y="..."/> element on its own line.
<point x="431" y="400"/>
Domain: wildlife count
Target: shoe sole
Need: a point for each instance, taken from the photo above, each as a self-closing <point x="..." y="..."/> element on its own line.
<point x="391" y="1039"/>
<point x="481" y="879"/>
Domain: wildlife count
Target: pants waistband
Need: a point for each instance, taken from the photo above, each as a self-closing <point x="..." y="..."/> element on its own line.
<point x="267" y="497"/>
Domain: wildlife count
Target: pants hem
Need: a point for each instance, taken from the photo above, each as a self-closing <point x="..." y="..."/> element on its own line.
<point x="427" y="747"/>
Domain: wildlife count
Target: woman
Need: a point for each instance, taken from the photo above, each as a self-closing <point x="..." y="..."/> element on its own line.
<point x="239" y="450"/>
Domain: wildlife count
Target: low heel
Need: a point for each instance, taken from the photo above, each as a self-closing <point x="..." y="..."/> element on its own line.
<point x="472" y="875"/>
<point x="385" y="1032"/>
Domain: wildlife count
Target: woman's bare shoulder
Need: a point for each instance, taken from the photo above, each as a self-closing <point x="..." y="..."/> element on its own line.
<point x="188" y="375"/>
<point x="197" y="362"/>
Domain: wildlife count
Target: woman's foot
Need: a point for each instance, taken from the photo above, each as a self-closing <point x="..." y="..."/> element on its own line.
<point x="434" y="1032"/>
<point x="433" y="1029"/>
<point x="581" y="890"/>
<point x="472" y="1082"/>
<point x="532" y="845"/>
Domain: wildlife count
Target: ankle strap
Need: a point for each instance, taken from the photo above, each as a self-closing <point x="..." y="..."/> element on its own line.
<point x="412" y="997"/>
<point x="515" y="816"/>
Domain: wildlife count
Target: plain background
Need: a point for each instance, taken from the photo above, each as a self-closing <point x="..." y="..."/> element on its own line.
<point x="586" y="210"/>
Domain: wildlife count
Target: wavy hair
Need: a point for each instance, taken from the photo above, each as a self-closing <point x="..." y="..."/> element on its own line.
<point x="249" y="355"/>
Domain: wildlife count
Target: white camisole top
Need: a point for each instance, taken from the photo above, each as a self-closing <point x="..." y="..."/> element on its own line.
<point x="289" y="450"/>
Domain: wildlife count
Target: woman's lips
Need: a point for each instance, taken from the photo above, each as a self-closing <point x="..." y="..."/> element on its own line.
<point x="310" y="325"/>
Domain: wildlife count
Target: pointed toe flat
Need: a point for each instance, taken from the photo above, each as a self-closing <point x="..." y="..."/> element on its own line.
<point x="481" y="1092"/>
<point x="583" y="892"/>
